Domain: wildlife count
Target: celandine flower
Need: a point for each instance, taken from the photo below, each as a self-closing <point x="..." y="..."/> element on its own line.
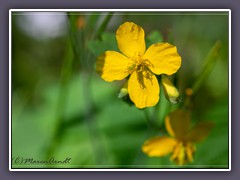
<point x="139" y="63"/>
<point x="182" y="142"/>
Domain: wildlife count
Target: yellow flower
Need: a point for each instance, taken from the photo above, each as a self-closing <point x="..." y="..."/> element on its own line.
<point x="139" y="63"/>
<point x="182" y="141"/>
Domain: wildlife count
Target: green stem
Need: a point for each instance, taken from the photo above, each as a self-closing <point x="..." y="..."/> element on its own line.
<point x="89" y="117"/>
<point x="66" y="73"/>
<point x="151" y="119"/>
<point x="149" y="123"/>
<point x="61" y="105"/>
<point x="209" y="63"/>
<point x="77" y="44"/>
<point x="77" y="39"/>
<point x="103" y="25"/>
<point x="91" y="24"/>
<point x="87" y="68"/>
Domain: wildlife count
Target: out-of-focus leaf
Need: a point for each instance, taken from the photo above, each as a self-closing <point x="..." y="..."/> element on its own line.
<point x="153" y="38"/>
<point x="206" y="154"/>
<point x="208" y="65"/>
<point x="107" y="42"/>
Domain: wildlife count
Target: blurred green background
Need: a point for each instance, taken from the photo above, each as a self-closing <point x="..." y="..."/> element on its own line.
<point x="62" y="108"/>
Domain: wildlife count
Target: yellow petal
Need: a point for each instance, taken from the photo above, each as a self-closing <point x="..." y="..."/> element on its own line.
<point x="200" y="131"/>
<point x="159" y="146"/>
<point x="177" y="123"/>
<point x="170" y="90"/>
<point x="112" y="66"/>
<point x="169" y="127"/>
<point x="163" y="58"/>
<point x="130" y="39"/>
<point x="143" y="89"/>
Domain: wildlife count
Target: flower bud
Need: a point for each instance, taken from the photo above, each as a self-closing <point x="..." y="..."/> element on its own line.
<point x="170" y="91"/>
<point x="124" y="90"/>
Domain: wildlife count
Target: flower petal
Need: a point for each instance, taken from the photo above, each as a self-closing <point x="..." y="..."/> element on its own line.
<point x="163" y="58"/>
<point x="112" y="65"/>
<point x="130" y="39"/>
<point x="177" y="123"/>
<point x="199" y="132"/>
<point x="143" y="89"/>
<point x="169" y="127"/>
<point x="159" y="146"/>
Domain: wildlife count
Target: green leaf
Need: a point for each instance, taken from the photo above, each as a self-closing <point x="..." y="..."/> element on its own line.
<point x="208" y="65"/>
<point x="153" y="38"/>
<point x="206" y="154"/>
<point x="108" y="42"/>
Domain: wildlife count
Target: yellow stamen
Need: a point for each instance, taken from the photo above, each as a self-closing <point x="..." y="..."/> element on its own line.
<point x="190" y="149"/>
<point x="183" y="153"/>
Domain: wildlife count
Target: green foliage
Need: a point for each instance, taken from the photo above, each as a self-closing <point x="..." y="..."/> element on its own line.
<point x="153" y="38"/>
<point x="107" y="42"/>
<point x="68" y="112"/>
<point x="122" y="129"/>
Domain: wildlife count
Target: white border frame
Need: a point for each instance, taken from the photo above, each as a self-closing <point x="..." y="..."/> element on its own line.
<point x="115" y="10"/>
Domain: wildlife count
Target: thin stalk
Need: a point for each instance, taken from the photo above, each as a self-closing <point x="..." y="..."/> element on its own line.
<point x="97" y="35"/>
<point x="89" y="117"/>
<point x="66" y="73"/>
<point x="151" y="119"/>
<point x="208" y="65"/>
<point x="61" y="104"/>
<point x="87" y="65"/>
<point x="89" y="105"/>
<point x="103" y="25"/>
<point x="87" y="68"/>
<point x="77" y="44"/>
<point x="148" y="120"/>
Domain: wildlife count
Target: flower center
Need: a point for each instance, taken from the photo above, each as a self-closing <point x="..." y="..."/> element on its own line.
<point x="139" y="64"/>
